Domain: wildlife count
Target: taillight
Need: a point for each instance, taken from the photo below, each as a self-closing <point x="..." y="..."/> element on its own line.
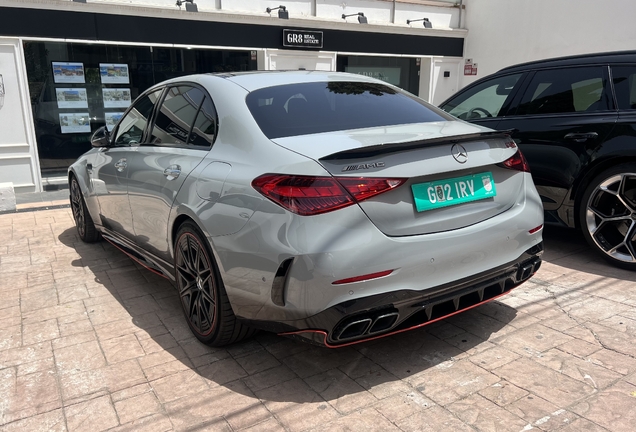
<point x="309" y="195"/>
<point x="516" y="162"/>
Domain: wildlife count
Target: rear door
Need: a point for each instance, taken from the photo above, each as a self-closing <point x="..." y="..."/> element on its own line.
<point x="161" y="165"/>
<point x="560" y="120"/>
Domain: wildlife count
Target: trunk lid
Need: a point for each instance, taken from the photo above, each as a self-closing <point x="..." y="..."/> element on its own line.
<point x="471" y="192"/>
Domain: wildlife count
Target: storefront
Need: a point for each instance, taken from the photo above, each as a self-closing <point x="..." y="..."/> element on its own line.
<point x="76" y="88"/>
<point x="80" y="70"/>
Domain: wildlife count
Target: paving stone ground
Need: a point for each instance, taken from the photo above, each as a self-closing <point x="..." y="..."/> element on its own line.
<point x="90" y="341"/>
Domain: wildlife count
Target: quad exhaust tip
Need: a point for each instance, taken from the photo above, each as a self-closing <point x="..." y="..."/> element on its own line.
<point x="366" y="325"/>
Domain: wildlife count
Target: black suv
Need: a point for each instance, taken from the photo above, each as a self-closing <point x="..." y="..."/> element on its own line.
<point x="575" y="121"/>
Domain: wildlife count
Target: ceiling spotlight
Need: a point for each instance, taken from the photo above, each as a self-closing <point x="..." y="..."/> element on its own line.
<point x="282" y="12"/>
<point x="425" y="21"/>
<point x="361" y="18"/>
<point x="189" y="4"/>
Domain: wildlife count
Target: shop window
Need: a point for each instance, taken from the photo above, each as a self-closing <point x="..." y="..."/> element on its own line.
<point x="483" y="100"/>
<point x="624" y="78"/>
<point x="567" y="90"/>
<point x="400" y="71"/>
<point x="77" y="88"/>
<point x="131" y="127"/>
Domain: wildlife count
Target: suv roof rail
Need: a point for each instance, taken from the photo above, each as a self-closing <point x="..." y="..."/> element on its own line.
<point x="591" y="57"/>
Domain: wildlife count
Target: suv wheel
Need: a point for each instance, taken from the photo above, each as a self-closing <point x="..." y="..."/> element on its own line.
<point x="608" y="215"/>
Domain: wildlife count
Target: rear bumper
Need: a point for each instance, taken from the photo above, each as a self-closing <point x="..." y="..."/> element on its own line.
<point x="380" y="315"/>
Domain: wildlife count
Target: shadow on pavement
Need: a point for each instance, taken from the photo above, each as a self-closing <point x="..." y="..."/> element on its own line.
<point x="268" y="366"/>
<point x="567" y="248"/>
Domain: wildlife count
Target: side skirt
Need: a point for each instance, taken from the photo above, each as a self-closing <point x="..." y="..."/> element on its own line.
<point x="146" y="259"/>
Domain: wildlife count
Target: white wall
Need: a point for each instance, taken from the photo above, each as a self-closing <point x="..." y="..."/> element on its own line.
<point x="18" y="164"/>
<point x="377" y="11"/>
<point x="506" y="32"/>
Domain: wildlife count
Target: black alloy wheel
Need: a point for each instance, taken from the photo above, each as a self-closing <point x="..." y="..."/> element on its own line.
<point x="83" y="221"/>
<point x="608" y="215"/>
<point x="203" y="299"/>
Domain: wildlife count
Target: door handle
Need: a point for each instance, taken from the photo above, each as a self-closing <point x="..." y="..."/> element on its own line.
<point x="581" y="137"/>
<point x="121" y="164"/>
<point x="172" y="172"/>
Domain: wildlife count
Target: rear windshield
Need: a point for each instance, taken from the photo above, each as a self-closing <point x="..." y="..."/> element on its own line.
<point x="308" y="108"/>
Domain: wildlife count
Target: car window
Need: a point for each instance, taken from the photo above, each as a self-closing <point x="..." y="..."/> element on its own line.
<point x="176" y="115"/>
<point x="204" y="129"/>
<point x="483" y="100"/>
<point x="566" y="90"/>
<point x="308" y="108"/>
<point x="624" y="78"/>
<point x="131" y="127"/>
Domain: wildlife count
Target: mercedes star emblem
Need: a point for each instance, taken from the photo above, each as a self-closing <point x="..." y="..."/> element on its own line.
<point x="459" y="153"/>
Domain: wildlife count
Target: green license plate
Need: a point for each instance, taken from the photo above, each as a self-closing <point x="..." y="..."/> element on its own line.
<point x="449" y="192"/>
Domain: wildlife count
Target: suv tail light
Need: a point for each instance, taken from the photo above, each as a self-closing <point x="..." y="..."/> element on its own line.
<point x="516" y="162"/>
<point x="309" y="195"/>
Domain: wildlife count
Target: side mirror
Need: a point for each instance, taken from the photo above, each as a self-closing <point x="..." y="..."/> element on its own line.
<point x="101" y="137"/>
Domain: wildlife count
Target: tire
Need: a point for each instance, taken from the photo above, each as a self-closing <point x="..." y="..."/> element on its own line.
<point x="83" y="221"/>
<point x="204" y="301"/>
<point x="607" y="215"/>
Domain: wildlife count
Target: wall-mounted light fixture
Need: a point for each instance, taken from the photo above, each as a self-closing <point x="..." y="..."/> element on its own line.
<point x="425" y="21"/>
<point x="282" y="12"/>
<point x="79" y="1"/>
<point x="189" y="4"/>
<point x="361" y="18"/>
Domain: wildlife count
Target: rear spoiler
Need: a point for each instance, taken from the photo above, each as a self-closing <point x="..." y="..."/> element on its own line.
<point x="371" y="151"/>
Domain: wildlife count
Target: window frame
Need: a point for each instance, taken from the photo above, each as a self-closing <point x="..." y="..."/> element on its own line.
<point x="151" y="124"/>
<point x="144" y="135"/>
<point x="614" y="92"/>
<point x="508" y="102"/>
<point x="608" y="92"/>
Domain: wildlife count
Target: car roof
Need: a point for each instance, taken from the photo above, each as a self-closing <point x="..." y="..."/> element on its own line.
<point x="255" y="80"/>
<point x="582" y="59"/>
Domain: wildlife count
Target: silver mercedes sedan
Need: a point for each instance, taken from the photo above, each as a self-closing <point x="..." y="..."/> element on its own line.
<point x="329" y="207"/>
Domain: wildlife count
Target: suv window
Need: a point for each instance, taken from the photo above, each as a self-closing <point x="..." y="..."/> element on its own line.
<point x="483" y="100"/>
<point x="624" y="78"/>
<point x="176" y="115"/>
<point x="567" y="90"/>
<point x="317" y="107"/>
<point x="132" y="125"/>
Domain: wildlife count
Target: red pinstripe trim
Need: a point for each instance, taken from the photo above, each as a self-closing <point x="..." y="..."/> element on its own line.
<point x="390" y="333"/>
<point x="137" y="260"/>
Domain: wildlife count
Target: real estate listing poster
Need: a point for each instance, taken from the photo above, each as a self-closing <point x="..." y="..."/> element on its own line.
<point x="114" y="73"/>
<point x="65" y="72"/>
<point x="116" y="98"/>
<point x="71" y="98"/>
<point x="75" y="122"/>
<point x="111" y="119"/>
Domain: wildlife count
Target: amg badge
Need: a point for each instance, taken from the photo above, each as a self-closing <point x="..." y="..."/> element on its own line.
<point x="363" y="166"/>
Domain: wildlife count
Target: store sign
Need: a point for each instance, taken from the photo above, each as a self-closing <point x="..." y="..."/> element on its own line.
<point x="302" y="38"/>
<point x="386" y="74"/>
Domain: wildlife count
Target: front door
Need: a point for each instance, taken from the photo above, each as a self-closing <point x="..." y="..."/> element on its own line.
<point x="183" y="131"/>
<point x="111" y="167"/>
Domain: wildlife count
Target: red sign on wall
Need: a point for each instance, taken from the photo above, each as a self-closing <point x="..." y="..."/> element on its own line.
<point x="470" y="68"/>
